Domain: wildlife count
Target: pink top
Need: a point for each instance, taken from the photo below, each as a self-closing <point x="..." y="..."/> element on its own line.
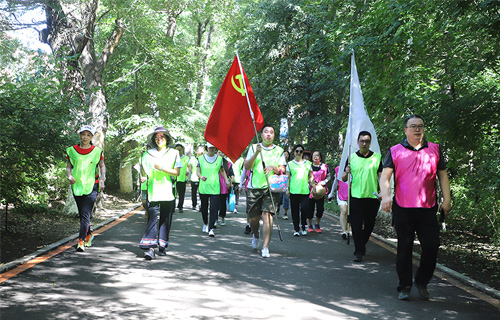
<point x="343" y="187"/>
<point x="415" y="175"/>
<point x="319" y="176"/>
<point x="223" y="186"/>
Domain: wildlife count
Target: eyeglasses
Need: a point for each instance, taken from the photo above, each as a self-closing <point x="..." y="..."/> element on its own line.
<point x="414" y="126"/>
<point x="299" y="151"/>
<point x="365" y="141"/>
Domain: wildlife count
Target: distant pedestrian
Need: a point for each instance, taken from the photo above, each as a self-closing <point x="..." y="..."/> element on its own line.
<point x="258" y="197"/>
<point x="300" y="178"/>
<point x="284" y="198"/>
<point x="415" y="164"/>
<point x="321" y="175"/>
<point x="365" y="167"/>
<point x="225" y="186"/>
<point x="209" y="166"/>
<point x="86" y="173"/>
<point x="237" y="171"/>
<point x="182" y="178"/>
<point x="340" y="190"/>
<point x="159" y="164"/>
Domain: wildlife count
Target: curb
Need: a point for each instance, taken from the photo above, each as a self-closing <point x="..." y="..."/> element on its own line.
<point x="11" y="265"/>
<point x="452" y="273"/>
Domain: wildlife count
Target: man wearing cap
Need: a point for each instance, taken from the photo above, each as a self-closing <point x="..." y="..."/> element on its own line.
<point x="415" y="163"/>
<point x="86" y="173"/>
<point x="263" y="159"/>
<point x="159" y="165"/>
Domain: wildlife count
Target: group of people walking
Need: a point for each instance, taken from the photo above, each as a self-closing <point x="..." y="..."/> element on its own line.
<point x="165" y="171"/>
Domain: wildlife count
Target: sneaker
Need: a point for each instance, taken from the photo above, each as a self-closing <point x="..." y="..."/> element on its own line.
<point x="310" y="229"/>
<point x="81" y="246"/>
<point x="205" y="228"/>
<point x="255" y="242"/>
<point x="88" y="240"/>
<point x="265" y="253"/>
<point x="285" y="217"/>
<point x="216" y="223"/>
<point x="318" y="229"/>
<point x="304" y="232"/>
<point x="248" y="229"/>
<point x="194" y="208"/>
<point x="422" y="292"/>
<point x="235" y="210"/>
<point x="223" y="221"/>
<point x="358" y="258"/>
<point x="344" y="235"/>
<point x="296" y="234"/>
<point x="404" y="294"/>
<point x="211" y="233"/>
<point x="180" y="210"/>
<point x="150" y="254"/>
<point x="162" y="252"/>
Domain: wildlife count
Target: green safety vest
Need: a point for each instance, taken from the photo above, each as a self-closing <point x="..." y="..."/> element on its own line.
<point x="299" y="177"/>
<point x="194" y="166"/>
<point x="84" y="169"/>
<point x="159" y="182"/>
<point x="182" y="174"/>
<point x="238" y="169"/>
<point x="271" y="158"/>
<point x="211" y="171"/>
<point x="364" y="175"/>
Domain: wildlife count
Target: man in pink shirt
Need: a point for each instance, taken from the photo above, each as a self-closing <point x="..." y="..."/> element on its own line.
<point x="415" y="163"/>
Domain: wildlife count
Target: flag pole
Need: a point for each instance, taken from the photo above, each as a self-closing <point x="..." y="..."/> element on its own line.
<point x="257" y="136"/>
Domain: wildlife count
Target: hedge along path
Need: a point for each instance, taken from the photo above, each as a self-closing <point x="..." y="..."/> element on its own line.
<point x="44" y="257"/>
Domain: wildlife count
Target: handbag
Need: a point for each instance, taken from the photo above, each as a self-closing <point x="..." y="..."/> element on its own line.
<point x="278" y="183"/>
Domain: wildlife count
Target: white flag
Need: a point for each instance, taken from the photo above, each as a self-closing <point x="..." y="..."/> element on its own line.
<point x="358" y="120"/>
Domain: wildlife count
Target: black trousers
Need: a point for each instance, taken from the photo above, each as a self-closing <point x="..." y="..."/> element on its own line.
<point x="423" y="222"/>
<point x="214" y="208"/>
<point x="85" y="205"/>
<point x="194" y="193"/>
<point x="223" y="204"/>
<point x="181" y="193"/>
<point x="320" y="207"/>
<point x="362" y="219"/>
<point x="163" y="209"/>
<point x="299" y="202"/>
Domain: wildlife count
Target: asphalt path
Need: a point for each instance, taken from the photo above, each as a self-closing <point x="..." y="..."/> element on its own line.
<point x="306" y="277"/>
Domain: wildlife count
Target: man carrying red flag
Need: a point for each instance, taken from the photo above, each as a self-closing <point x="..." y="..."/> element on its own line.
<point x="230" y="127"/>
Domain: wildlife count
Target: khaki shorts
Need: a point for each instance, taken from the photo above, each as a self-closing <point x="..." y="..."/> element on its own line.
<point x="258" y="201"/>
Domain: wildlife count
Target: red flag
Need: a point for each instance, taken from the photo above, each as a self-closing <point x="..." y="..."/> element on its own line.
<point x="230" y="126"/>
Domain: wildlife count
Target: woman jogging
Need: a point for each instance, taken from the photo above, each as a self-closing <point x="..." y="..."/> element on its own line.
<point x="86" y="173"/>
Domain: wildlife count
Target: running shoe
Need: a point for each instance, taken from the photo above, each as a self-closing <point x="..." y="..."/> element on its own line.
<point x="318" y="229"/>
<point x="223" y="221"/>
<point x="81" y="246"/>
<point x="296" y="234"/>
<point x="255" y="242"/>
<point x="404" y="294"/>
<point x="211" y="233"/>
<point x="235" y="210"/>
<point x="265" y="253"/>
<point x="150" y="254"/>
<point x="88" y="240"/>
<point x="162" y="252"/>
<point x="344" y="235"/>
<point x="310" y="229"/>
<point x="304" y="232"/>
<point x="285" y="217"/>
<point x="248" y="229"/>
<point x="205" y="228"/>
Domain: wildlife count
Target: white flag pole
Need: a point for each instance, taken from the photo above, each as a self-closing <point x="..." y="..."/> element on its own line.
<point x="257" y="136"/>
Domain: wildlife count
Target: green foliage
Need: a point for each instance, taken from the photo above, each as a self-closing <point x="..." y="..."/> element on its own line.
<point x="35" y="123"/>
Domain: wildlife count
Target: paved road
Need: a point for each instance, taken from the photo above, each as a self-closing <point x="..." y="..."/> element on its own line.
<point x="311" y="277"/>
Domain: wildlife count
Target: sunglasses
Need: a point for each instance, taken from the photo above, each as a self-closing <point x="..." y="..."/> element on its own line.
<point x="299" y="151"/>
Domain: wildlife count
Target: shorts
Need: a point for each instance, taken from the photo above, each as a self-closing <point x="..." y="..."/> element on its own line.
<point x="341" y="202"/>
<point x="258" y="201"/>
<point x="144" y="194"/>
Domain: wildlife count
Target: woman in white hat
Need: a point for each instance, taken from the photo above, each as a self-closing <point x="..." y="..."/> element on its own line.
<point x="209" y="166"/>
<point x="159" y="164"/>
<point x="86" y="173"/>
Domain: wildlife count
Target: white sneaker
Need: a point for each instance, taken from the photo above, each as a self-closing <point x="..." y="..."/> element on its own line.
<point x="296" y="234"/>
<point x="235" y="210"/>
<point x="211" y="233"/>
<point x="223" y="222"/>
<point x="265" y="253"/>
<point x="205" y="228"/>
<point x="304" y="232"/>
<point x="216" y="222"/>
<point x="255" y="242"/>
<point x="285" y="217"/>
